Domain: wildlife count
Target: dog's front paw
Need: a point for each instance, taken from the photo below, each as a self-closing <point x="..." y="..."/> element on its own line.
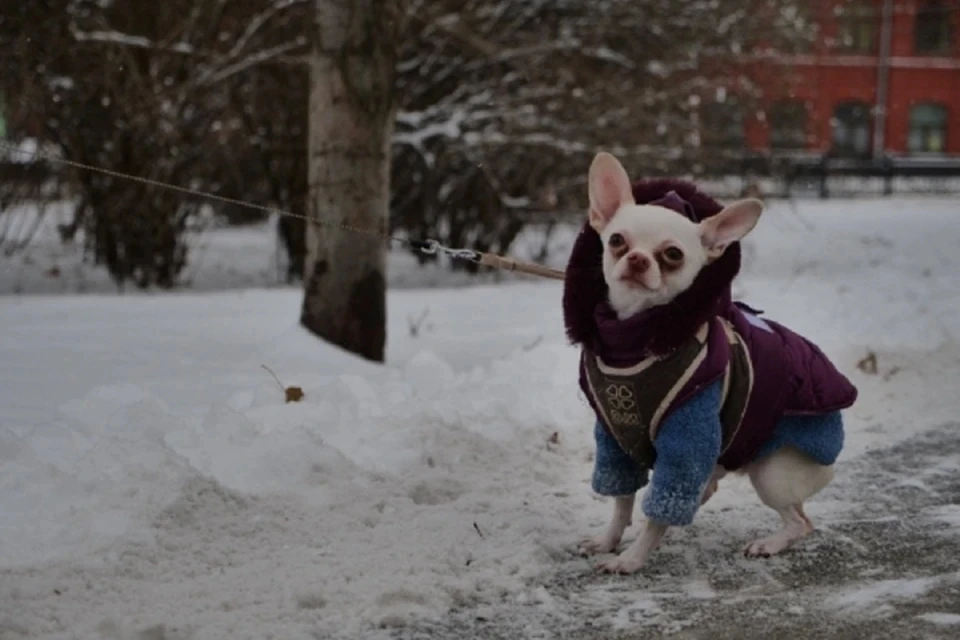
<point x="598" y="544"/>
<point x="624" y="564"/>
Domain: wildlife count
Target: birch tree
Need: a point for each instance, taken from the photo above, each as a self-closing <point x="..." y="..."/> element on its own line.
<point x="352" y="111"/>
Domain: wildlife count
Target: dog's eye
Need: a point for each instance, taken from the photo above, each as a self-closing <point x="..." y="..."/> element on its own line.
<point x="673" y="255"/>
<point x="616" y="241"/>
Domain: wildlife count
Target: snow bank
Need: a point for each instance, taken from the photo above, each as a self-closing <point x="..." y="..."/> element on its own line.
<point x="354" y="507"/>
<point x="153" y="480"/>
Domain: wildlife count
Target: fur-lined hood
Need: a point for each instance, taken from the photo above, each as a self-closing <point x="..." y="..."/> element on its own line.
<point x="591" y="322"/>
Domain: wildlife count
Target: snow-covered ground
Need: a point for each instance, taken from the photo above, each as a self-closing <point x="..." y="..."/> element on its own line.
<point x="154" y="484"/>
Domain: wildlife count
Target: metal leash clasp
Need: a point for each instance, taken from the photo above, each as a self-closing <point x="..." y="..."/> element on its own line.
<point x="432" y="247"/>
<point x="464" y="254"/>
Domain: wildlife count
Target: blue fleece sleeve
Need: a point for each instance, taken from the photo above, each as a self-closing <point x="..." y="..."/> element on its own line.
<point x="614" y="472"/>
<point x="820" y="436"/>
<point x="688" y="445"/>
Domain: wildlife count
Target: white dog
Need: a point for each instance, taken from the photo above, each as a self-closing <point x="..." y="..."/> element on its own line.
<point x="684" y="382"/>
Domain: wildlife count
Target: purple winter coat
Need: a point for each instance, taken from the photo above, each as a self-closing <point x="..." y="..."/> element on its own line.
<point x="791" y="374"/>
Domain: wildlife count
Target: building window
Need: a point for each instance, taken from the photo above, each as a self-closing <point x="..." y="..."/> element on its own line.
<point x="851" y="129"/>
<point x="932" y="28"/>
<point x="928" y="128"/>
<point x="721" y="125"/>
<point x="857" y="25"/>
<point x="788" y="125"/>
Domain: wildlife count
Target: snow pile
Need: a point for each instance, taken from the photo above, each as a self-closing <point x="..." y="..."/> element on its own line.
<point x="154" y="481"/>
<point x="386" y="492"/>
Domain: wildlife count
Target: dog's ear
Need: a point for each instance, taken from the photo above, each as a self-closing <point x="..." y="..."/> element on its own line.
<point x="609" y="189"/>
<point x="730" y="225"/>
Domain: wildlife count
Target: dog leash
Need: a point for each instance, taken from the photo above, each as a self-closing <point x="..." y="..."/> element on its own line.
<point x="427" y="247"/>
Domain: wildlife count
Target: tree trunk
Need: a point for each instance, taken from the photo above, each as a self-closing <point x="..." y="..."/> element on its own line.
<point x="351" y="126"/>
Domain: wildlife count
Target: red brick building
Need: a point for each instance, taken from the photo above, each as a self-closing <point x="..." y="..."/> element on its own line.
<point x="883" y="78"/>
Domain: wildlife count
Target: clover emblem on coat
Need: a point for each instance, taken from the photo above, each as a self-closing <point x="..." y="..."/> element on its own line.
<point x="620" y="397"/>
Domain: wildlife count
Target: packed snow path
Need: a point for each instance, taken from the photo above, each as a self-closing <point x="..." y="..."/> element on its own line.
<point x="154" y="484"/>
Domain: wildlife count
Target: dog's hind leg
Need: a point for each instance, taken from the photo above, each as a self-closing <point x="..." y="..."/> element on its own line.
<point x="783" y="481"/>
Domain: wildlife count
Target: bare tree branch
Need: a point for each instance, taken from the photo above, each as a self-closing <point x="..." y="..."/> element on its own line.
<point x="115" y="37"/>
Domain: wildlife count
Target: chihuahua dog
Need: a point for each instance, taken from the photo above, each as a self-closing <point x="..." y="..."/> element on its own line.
<point x="686" y="384"/>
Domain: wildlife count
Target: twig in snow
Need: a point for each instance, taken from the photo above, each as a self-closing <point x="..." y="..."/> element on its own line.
<point x="291" y="394"/>
<point x="532" y="345"/>
<point x="270" y="371"/>
<point x="477" y="528"/>
<point x="416" y="324"/>
<point x="553" y="440"/>
<point x="868" y="364"/>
